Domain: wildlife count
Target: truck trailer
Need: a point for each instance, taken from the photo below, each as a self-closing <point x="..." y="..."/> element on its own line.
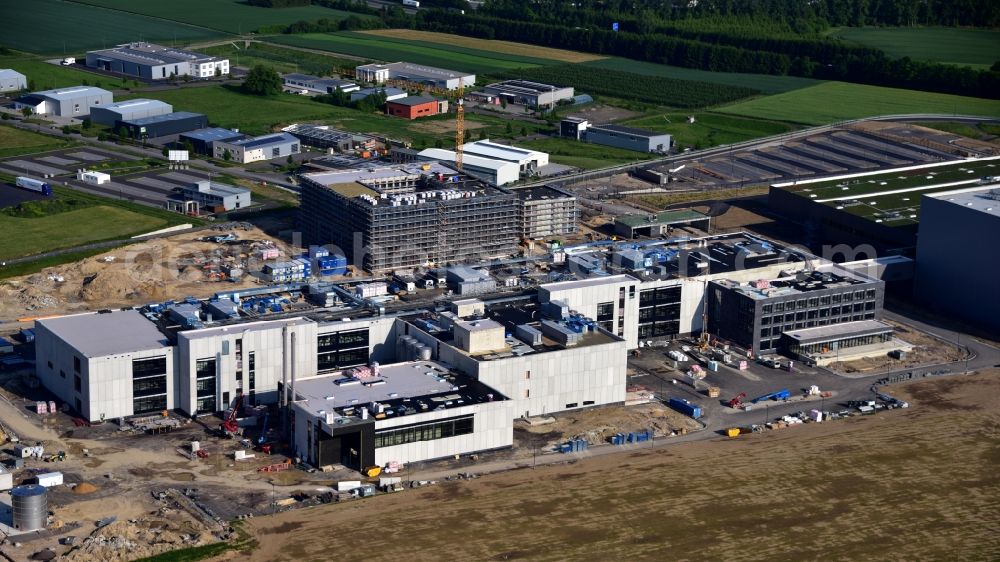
<point x="30" y="184"/>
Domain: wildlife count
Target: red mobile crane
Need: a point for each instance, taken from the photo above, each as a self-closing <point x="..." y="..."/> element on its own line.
<point x="736" y="401"/>
<point x="230" y="426"/>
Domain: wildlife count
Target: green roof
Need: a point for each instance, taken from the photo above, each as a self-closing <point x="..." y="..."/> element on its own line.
<point x="664" y="217"/>
<point x="892" y="197"/>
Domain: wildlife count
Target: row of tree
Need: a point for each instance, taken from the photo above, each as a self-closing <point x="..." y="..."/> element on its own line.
<point x="811" y="59"/>
<point x="799" y="14"/>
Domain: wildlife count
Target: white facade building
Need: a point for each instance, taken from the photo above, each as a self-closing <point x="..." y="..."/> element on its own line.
<point x="12" y="80"/>
<point x="497" y="172"/>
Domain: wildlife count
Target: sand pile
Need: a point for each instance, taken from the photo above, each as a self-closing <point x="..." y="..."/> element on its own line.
<point x="122" y="541"/>
<point x="84" y="488"/>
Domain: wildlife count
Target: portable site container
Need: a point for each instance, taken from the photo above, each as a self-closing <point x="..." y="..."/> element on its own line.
<point x="685" y="407"/>
<point x="50" y="479"/>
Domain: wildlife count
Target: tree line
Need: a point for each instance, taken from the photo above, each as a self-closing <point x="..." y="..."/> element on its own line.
<point x="799" y="57"/>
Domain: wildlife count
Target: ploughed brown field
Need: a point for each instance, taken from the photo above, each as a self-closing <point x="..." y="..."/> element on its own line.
<point x="915" y="484"/>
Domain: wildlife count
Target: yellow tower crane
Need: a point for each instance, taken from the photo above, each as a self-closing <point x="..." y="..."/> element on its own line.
<point x="459" y="123"/>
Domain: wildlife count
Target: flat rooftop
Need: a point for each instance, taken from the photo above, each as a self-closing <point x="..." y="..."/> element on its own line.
<point x="114" y="333"/>
<point x="800" y="283"/>
<point x="220" y="189"/>
<point x="139" y="103"/>
<point x="378" y="173"/>
<point x="71" y="93"/>
<point x="834" y="332"/>
<point x="412" y="70"/>
<point x="985" y="199"/>
<point x="509" y="153"/>
<point x="692" y="257"/>
<point x="892" y="197"/>
<point x="213" y="134"/>
<point x="403" y="388"/>
<point x="166" y="117"/>
<point x="541" y="192"/>
<point x="524" y="87"/>
<point x="266" y="140"/>
<point x="467" y="160"/>
<point x="662" y="218"/>
<point x="151" y="54"/>
<point x="413" y="100"/>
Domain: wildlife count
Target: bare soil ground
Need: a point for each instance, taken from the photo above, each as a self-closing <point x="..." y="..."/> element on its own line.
<point x="600" y="113"/>
<point x="599" y="424"/>
<point x="915" y="484"/>
<point x="443" y="126"/>
<point x="165" y="268"/>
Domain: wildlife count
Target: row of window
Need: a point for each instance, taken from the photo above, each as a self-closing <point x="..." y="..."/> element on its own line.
<point x="151" y="367"/>
<point x="659" y="329"/>
<point x="834" y="311"/>
<point x="342" y="340"/>
<point x="661" y="312"/>
<point x="778" y="330"/>
<point x="812" y="302"/>
<point x="149" y="386"/>
<point x="663" y="295"/>
<point x="442" y="429"/>
<point x="341" y="359"/>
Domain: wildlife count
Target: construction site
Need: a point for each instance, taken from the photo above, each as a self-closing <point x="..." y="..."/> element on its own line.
<point x="197" y="263"/>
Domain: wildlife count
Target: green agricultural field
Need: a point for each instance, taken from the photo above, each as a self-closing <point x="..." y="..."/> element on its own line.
<point x="386" y="37"/>
<point x="379" y="48"/>
<point x="29" y="236"/>
<point x="46" y="76"/>
<point x="763" y="82"/>
<point x="709" y="129"/>
<point x="583" y="155"/>
<point x="830" y="102"/>
<point x="57" y="28"/>
<point x="228" y="107"/>
<point x="231" y="16"/>
<point x="974" y="47"/>
<point x="282" y="59"/>
<point x="14" y="142"/>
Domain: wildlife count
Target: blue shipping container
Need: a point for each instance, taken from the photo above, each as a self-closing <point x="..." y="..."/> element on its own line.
<point x="685" y="407"/>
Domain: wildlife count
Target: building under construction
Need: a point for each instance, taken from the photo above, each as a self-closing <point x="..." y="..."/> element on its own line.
<point x="545" y="211"/>
<point x="392" y="218"/>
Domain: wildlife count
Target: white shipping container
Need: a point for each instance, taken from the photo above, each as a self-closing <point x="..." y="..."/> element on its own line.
<point x="50" y="479"/>
<point x="348" y="485"/>
<point x="6" y="480"/>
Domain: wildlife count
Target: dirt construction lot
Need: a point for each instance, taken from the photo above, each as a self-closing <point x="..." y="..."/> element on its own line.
<point x="913" y="484"/>
<point x="165" y="268"/>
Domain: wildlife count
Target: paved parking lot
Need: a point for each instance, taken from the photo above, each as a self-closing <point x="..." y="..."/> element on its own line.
<point x="59" y="162"/>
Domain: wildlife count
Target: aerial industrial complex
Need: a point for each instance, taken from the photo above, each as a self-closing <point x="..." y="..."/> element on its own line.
<point x="308" y="278"/>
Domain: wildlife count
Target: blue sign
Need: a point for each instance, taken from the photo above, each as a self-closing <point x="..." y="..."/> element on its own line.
<point x="614" y="26"/>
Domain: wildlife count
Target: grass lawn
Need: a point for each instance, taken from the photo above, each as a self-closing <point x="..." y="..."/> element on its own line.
<point x="583" y="155"/>
<point x="232" y="16"/>
<point x="46" y="76"/>
<point x="709" y="129"/>
<point x="763" y="82"/>
<point x="835" y="101"/>
<point x="506" y="47"/>
<point x="228" y="107"/>
<point x="282" y="59"/>
<point x="963" y="129"/>
<point x="67" y="28"/>
<point x="14" y="142"/>
<point x="974" y="47"/>
<point x="29" y="236"/>
<point x="380" y="48"/>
